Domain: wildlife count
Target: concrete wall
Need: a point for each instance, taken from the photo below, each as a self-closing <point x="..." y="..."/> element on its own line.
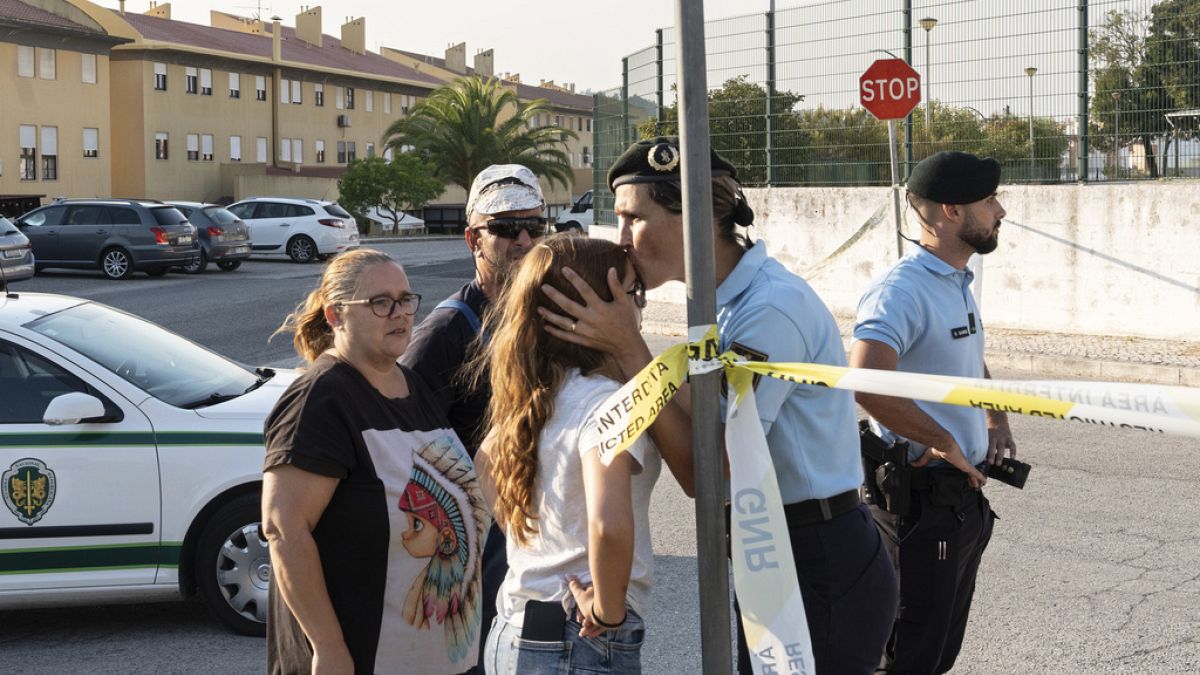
<point x="1116" y="259"/>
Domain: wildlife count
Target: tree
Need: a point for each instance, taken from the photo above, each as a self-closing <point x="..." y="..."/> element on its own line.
<point x="404" y="182"/>
<point x="471" y="123"/>
<point x="737" y="118"/>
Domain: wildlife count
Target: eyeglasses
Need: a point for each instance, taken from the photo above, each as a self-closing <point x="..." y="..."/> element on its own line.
<point x="639" y="293"/>
<point x="384" y="306"/>
<point x="510" y="228"/>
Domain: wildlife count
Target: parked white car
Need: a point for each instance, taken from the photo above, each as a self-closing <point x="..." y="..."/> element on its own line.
<point x="130" y="463"/>
<point x="302" y="229"/>
<point x="579" y="217"/>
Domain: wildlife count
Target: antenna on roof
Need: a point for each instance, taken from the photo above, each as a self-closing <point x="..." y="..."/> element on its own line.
<point x="258" y="9"/>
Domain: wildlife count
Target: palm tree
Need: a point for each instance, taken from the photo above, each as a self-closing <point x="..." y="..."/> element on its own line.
<point x="470" y="123"/>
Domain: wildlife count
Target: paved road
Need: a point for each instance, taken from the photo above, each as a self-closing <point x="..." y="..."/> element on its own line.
<point x="1093" y="568"/>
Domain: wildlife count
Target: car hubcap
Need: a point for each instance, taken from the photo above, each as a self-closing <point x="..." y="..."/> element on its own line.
<point x="301" y="250"/>
<point x="115" y="264"/>
<point x="244" y="572"/>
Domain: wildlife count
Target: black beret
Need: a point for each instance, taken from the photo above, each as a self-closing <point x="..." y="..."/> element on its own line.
<point x="657" y="159"/>
<point x="954" y="178"/>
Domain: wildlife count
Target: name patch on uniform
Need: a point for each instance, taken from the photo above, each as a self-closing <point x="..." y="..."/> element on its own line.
<point x="28" y="489"/>
<point x="960" y="332"/>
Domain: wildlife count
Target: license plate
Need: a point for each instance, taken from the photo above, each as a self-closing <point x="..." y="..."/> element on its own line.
<point x="240" y="249"/>
<point x="14" y="253"/>
<point x="185" y="239"/>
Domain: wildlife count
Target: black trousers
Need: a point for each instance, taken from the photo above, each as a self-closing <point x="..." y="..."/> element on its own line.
<point x="849" y="590"/>
<point x="936" y="549"/>
<point x="495" y="567"/>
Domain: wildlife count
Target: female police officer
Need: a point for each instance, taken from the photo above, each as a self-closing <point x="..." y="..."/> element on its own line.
<point x="763" y="312"/>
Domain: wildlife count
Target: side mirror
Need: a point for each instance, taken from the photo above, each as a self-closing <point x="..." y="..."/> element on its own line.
<point x="73" y="408"/>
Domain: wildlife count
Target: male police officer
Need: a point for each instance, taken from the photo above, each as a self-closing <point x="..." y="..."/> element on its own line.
<point x="504" y="221"/>
<point x="920" y="316"/>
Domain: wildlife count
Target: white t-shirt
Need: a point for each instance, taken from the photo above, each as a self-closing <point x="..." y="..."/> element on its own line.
<point x="558" y="549"/>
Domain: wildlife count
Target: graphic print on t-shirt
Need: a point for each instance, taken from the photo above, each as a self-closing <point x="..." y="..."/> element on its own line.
<point x="433" y="576"/>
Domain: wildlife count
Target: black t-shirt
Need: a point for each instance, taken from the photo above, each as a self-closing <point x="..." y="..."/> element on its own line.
<point x="401" y="537"/>
<point x="440" y="346"/>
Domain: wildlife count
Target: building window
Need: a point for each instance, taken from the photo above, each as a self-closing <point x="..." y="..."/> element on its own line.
<point x="190" y="81"/>
<point x="341" y="158"/>
<point x="260" y="88"/>
<point x="296" y="91"/>
<point x="285" y="149"/>
<point x="320" y="152"/>
<point x="589" y="124"/>
<point x="160" y="145"/>
<point x="28" y="167"/>
<point x="193" y="147"/>
<point x="387" y="103"/>
<point x="46" y="61"/>
<point x="235" y="85"/>
<point x="260" y="145"/>
<point x="91" y="142"/>
<point x="298" y="150"/>
<point x="406" y="102"/>
<point x="369" y="97"/>
<point x="351" y="155"/>
<point x="349" y="98"/>
<point x="25" y="61"/>
<point x="235" y="148"/>
<point x="339" y="98"/>
<point x="88" y="65"/>
<point x="206" y="82"/>
<point x="370" y="149"/>
<point x="206" y="147"/>
<point x="319" y="96"/>
<point x="160" y="77"/>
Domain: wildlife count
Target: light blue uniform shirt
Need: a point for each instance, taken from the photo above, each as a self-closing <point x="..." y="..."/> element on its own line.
<point x="811" y="431"/>
<point x="917" y="308"/>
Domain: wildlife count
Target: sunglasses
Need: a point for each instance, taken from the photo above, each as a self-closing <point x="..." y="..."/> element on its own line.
<point x="638" y="292"/>
<point x="384" y="306"/>
<point x="510" y="228"/>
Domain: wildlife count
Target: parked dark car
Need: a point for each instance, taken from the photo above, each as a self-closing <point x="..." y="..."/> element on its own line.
<point x="117" y="236"/>
<point x="224" y="238"/>
<point x="16" y="254"/>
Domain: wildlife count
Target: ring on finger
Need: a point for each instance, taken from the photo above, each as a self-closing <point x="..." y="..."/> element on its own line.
<point x="573" y="324"/>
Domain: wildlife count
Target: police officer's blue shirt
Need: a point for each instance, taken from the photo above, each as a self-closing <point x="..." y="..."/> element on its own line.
<point x="923" y="308"/>
<point x="767" y="313"/>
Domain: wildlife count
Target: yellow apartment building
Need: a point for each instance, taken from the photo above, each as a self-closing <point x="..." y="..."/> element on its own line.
<point x="109" y="102"/>
<point x="54" y="104"/>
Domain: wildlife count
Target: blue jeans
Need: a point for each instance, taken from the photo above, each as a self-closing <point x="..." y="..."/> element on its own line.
<point x="617" y="651"/>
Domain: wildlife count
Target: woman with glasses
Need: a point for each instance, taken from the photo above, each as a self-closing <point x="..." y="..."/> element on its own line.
<point x="371" y="505"/>
<point x="579" y="555"/>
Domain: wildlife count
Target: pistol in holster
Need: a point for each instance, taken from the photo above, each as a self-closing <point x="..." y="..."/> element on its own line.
<point x="888" y="476"/>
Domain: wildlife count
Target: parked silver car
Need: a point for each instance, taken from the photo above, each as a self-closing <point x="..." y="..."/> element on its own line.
<point x="224" y="238"/>
<point x="16" y="253"/>
<point x="117" y="236"/>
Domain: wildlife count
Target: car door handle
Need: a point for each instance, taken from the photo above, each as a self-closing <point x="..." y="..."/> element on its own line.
<point x="101" y="231"/>
<point x="285" y="224"/>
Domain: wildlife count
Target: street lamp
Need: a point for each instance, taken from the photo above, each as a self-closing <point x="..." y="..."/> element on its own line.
<point x="1117" y="132"/>
<point x="1031" y="71"/>
<point x="927" y="23"/>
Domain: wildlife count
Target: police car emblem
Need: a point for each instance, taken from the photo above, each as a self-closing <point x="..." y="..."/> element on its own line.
<point x="28" y="488"/>
<point x="663" y="157"/>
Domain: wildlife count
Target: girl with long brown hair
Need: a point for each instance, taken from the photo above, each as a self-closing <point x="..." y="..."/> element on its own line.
<point x="579" y="554"/>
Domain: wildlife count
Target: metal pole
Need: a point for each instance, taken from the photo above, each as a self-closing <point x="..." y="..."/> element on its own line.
<point x="1031" y="72"/>
<point x="1117" y="134"/>
<point x="928" y="91"/>
<point x="895" y="186"/>
<point x="1082" y="113"/>
<point x="627" y="126"/>
<point x="662" y="113"/>
<point x="771" y="172"/>
<point x="700" y="268"/>
<point x="908" y="119"/>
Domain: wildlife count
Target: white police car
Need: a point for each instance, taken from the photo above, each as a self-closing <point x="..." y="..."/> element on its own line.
<point x="130" y="463"/>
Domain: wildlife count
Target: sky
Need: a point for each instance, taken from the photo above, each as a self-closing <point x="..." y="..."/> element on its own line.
<point x="561" y="40"/>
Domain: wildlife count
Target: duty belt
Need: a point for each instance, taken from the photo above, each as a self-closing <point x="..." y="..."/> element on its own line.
<point x="813" y="511"/>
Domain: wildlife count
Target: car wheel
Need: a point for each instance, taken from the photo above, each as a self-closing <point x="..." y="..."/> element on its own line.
<point x="116" y="263"/>
<point x="157" y="271"/>
<point x="233" y="566"/>
<point x="301" y="249"/>
<point x="197" y="264"/>
<point x="229" y="265"/>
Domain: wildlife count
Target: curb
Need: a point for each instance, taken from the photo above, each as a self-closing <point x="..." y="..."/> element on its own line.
<point x="405" y="240"/>
<point x="1041" y="366"/>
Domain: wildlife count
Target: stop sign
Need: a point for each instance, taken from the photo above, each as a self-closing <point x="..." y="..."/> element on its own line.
<point x="889" y="89"/>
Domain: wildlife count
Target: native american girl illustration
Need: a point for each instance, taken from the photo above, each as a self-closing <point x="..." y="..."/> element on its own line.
<point x="447" y="522"/>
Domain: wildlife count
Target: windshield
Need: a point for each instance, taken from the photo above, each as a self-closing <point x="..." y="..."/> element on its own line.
<point x="157" y="361"/>
<point x="221" y="216"/>
<point x="168" y="215"/>
<point x="337" y="211"/>
<point x="6" y="226"/>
